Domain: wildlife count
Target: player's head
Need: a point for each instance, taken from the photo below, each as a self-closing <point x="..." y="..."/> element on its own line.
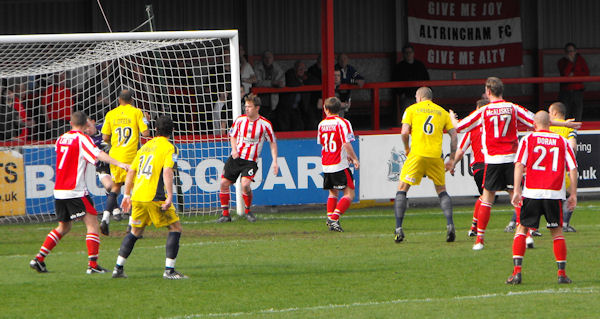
<point x="164" y="126"/>
<point x="541" y="120"/>
<point x="79" y="120"/>
<point x="494" y="87"/>
<point x="90" y="127"/>
<point x="424" y="94"/>
<point x="252" y="105"/>
<point x="481" y="102"/>
<point x="333" y="105"/>
<point x="557" y="110"/>
<point x="125" y="97"/>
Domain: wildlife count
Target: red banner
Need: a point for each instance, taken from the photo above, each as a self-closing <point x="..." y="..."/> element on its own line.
<point x="472" y="34"/>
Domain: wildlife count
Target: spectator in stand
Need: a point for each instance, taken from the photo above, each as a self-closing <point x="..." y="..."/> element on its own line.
<point x="408" y="69"/>
<point x="58" y="100"/>
<point x="21" y="124"/>
<point x="269" y="74"/>
<point x="314" y="73"/>
<point x="571" y="93"/>
<point x="348" y="75"/>
<point x="315" y="78"/>
<point x="292" y="112"/>
<point x="247" y="74"/>
<point x="342" y="95"/>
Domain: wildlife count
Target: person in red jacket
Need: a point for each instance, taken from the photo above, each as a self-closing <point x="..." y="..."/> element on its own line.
<point x="571" y="93"/>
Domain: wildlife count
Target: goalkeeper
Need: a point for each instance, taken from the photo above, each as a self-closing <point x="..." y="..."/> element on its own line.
<point x="102" y="168"/>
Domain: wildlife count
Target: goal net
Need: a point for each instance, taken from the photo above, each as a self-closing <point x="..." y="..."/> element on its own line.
<point x="190" y="76"/>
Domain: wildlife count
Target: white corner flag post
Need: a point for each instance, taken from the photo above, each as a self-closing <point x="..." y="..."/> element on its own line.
<point x="234" y="54"/>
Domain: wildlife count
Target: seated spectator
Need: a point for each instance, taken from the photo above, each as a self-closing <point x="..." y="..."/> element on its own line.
<point x="12" y="125"/>
<point x="269" y="74"/>
<point x="348" y="72"/>
<point x="292" y="111"/>
<point x="408" y="69"/>
<point x="343" y="95"/>
<point x="247" y="75"/>
<point x="58" y="100"/>
<point x="571" y="93"/>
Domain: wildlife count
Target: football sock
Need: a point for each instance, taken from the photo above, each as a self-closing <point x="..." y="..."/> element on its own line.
<point x="518" y="251"/>
<point x="474" y="223"/>
<point x="331" y="203"/>
<point x="126" y="248"/>
<point x="247" y="202"/>
<point x="446" y="205"/>
<point x="106" y="216"/>
<point x="560" y="253"/>
<point x="341" y="207"/>
<point x="172" y="248"/>
<point x="483" y="217"/>
<point x="111" y="201"/>
<point x="93" y="245"/>
<point x="51" y="240"/>
<point x="400" y="204"/>
<point x="224" y="197"/>
<point x="567" y="217"/>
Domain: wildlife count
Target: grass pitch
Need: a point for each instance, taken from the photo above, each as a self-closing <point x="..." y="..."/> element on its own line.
<point x="289" y="265"/>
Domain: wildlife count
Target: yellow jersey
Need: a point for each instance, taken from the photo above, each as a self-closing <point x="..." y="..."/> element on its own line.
<point x="564" y="131"/>
<point x="124" y="125"/>
<point x="148" y="184"/>
<point x="428" y="122"/>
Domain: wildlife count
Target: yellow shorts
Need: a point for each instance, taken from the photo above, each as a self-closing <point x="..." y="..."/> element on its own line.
<point x="567" y="181"/>
<point x="118" y="174"/>
<point x="146" y="213"/>
<point x="415" y="167"/>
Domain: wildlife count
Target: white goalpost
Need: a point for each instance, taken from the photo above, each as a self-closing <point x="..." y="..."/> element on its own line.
<point x="192" y="76"/>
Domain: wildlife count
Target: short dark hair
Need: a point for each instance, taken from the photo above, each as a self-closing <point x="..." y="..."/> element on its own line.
<point x="79" y="119"/>
<point x="333" y="105"/>
<point x="164" y="126"/>
<point x="407" y="46"/>
<point x="253" y="98"/>
<point x="560" y="107"/>
<point x="495" y="85"/>
<point x="570" y="44"/>
<point x="482" y="102"/>
<point x="125" y="96"/>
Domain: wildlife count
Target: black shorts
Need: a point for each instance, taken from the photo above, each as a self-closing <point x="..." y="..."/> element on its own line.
<point x="234" y="167"/>
<point x="478" y="171"/>
<point x="533" y="209"/>
<point x="499" y="177"/>
<point x="338" y="180"/>
<point x="70" y="209"/>
<point x="103" y="168"/>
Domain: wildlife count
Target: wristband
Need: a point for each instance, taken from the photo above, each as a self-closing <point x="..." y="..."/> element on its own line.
<point x="126" y="196"/>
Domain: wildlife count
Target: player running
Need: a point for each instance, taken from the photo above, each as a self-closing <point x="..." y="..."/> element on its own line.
<point x="335" y="136"/>
<point x="543" y="156"/>
<point x="122" y="127"/>
<point x="246" y="137"/>
<point x="426" y="122"/>
<point x="74" y="150"/>
<point x="150" y="177"/>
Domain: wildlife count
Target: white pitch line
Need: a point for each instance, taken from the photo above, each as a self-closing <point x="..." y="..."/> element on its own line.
<point x="586" y="290"/>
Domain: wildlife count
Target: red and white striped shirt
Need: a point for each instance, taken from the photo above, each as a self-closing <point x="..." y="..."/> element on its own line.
<point x="499" y="134"/>
<point x="545" y="156"/>
<point x="73" y="152"/>
<point x="334" y="132"/>
<point x="250" y="136"/>
<point x="473" y="139"/>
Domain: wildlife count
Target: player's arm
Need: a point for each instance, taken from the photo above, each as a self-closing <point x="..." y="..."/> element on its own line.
<point x="516" y="199"/>
<point x="567" y="123"/>
<point x="146" y="133"/>
<point x="405" y="134"/>
<point x="106" y="138"/>
<point x="168" y="180"/>
<point x="234" y="152"/>
<point x="573" y="144"/>
<point x="453" y="142"/>
<point x="273" y="146"/>
<point x="572" y="200"/>
<point x="351" y="154"/>
<point x="126" y="202"/>
<point x="107" y="159"/>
